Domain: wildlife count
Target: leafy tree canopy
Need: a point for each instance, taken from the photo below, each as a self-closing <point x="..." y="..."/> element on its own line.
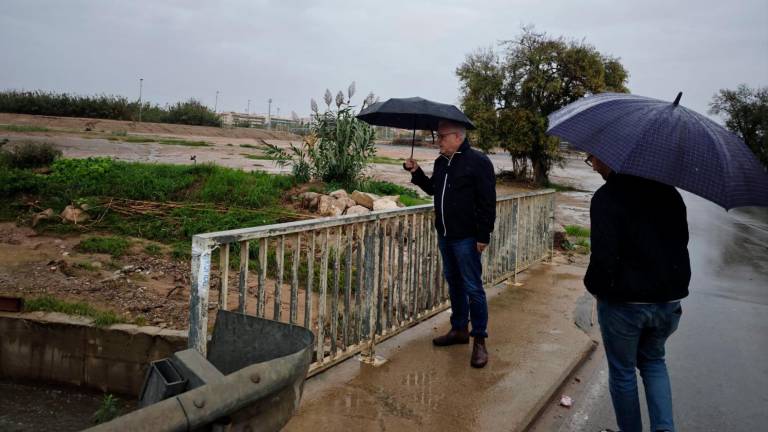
<point x="508" y="92"/>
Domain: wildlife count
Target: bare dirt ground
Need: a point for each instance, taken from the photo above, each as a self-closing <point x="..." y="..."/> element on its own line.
<point x="135" y="285"/>
<point x="153" y="289"/>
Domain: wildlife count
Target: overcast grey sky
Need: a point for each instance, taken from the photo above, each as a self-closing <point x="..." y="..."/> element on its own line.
<point x="292" y="50"/>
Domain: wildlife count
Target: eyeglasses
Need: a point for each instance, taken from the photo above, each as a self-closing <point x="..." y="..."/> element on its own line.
<point x="588" y="161"/>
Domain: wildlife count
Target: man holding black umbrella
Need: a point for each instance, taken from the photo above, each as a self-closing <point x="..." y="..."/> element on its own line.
<point x="464" y="186"/>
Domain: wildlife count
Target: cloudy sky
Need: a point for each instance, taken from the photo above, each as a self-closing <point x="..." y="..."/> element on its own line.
<point x="292" y="50"/>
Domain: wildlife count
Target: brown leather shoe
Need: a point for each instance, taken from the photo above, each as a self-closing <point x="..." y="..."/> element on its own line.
<point x="479" y="353"/>
<point x="453" y="337"/>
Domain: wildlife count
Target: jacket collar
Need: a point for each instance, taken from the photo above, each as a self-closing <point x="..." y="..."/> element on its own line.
<point x="462" y="148"/>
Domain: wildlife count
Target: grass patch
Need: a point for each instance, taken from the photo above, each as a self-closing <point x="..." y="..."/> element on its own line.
<point x="577" y="231"/>
<point x="147" y="139"/>
<point x="131" y="139"/>
<point x="23" y="128"/>
<point x="51" y="304"/>
<point x="153" y="249"/>
<point x="253" y="146"/>
<point x="159" y="202"/>
<point x="181" y="142"/>
<point x="114" y="246"/>
<point x="385" y="160"/>
<point x="563" y="188"/>
<point x="410" y="201"/>
<point x="258" y="157"/>
<point x="86" y="266"/>
<point x="182" y="251"/>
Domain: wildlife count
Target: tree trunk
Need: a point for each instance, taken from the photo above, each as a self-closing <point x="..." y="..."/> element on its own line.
<point x="540" y="173"/>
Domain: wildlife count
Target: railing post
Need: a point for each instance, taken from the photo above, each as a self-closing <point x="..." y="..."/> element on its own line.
<point x="372" y="268"/>
<point x="517" y="241"/>
<point x="198" y="301"/>
<point x="224" y="276"/>
<point x="551" y="229"/>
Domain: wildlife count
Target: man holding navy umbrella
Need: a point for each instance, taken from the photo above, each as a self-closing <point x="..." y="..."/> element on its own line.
<point x="639" y="269"/>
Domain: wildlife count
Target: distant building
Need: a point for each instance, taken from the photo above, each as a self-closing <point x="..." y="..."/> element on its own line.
<point x="261" y="121"/>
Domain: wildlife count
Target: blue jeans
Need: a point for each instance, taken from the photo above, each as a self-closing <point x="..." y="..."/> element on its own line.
<point x="463" y="272"/>
<point x="634" y="336"/>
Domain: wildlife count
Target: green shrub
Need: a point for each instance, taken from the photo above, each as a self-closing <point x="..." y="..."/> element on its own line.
<point x="191" y="112"/>
<point x="585" y="243"/>
<point x="23" y="128"/>
<point x="114" y="246"/>
<point x="337" y="149"/>
<point x="182" y="251"/>
<point x="15" y="181"/>
<point x="30" y="155"/>
<point x="107" y="411"/>
<point x="385" y="188"/>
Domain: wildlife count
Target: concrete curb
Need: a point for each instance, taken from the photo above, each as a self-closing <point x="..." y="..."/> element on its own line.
<point x="589" y="347"/>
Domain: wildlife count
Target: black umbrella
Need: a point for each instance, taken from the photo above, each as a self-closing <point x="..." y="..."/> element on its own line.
<point x="412" y="113"/>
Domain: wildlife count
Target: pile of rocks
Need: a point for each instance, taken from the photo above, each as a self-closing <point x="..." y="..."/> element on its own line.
<point x="339" y="202"/>
<point x="70" y="214"/>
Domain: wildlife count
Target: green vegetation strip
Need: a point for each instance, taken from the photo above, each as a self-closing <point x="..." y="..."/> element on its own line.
<point x="164" y="141"/>
<point x="385" y="160"/>
<point x="258" y="157"/>
<point x="563" y="188"/>
<point x="50" y="304"/>
<point x="23" y="128"/>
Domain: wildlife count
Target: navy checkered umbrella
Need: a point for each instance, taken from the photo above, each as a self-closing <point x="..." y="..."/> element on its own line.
<point x="665" y="142"/>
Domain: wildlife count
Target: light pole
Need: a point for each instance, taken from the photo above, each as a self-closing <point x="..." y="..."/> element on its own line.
<point x="141" y="85"/>
<point x="269" y="113"/>
<point x="216" y="104"/>
<point x="248" y="110"/>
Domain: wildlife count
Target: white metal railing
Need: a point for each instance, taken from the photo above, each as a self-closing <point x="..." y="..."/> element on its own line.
<point x="354" y="280"/>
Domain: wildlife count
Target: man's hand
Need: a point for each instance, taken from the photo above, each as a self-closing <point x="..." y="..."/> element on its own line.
<point x="410" y="165"/>
<point x="481" y="247"/>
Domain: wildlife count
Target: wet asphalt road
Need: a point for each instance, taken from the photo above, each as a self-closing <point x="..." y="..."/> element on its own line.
<point x="718" y="359"/>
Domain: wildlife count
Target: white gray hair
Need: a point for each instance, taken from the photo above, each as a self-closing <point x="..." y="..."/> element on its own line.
<point x="459" y="128"/>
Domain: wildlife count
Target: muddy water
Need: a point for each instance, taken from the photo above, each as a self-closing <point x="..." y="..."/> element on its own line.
<point x="26" y="407"/>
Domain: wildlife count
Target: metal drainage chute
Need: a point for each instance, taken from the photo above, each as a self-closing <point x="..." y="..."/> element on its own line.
<point x="251" y="381"/>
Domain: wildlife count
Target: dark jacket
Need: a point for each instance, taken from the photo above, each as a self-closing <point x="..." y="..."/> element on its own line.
<point x="464" y="187"/>
<point x="639" y="242"/>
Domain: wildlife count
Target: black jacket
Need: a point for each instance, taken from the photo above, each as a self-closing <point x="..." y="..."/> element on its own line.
<point x="464" y="187"/>
<point x="639" y="242"/>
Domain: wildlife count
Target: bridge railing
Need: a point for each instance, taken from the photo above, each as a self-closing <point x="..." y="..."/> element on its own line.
<point x="353" y="280"/>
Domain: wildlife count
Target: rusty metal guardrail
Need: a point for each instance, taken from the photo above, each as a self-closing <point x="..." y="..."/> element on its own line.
<point x="354" y="280"/>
